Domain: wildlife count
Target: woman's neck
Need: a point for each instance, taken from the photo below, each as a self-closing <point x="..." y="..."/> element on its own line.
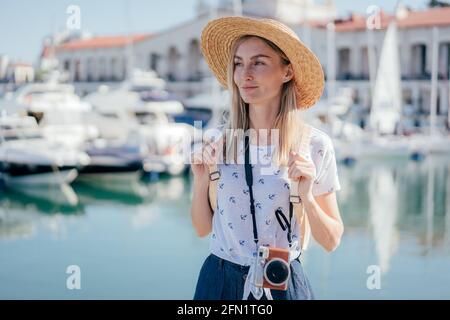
<point x="263" y="117"/>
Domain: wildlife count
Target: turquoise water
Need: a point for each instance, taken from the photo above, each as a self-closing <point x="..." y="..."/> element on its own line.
<point x="136" y="242"/>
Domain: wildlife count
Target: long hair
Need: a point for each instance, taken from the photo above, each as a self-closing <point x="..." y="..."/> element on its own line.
<point x="287" y="122"/>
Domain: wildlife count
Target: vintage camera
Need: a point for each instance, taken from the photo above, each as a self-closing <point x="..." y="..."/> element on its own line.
<point x="272" y="268"/>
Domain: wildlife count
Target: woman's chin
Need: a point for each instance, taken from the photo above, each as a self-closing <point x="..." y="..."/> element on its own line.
<point x="248" y="99"/>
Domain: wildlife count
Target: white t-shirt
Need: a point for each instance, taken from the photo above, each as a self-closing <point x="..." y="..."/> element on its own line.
<point x="232" y="232"/>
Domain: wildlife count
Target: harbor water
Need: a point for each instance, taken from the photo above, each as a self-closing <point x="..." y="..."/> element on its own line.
<point x="137" y="242"/>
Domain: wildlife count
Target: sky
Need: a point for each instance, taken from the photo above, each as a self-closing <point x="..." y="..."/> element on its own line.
<point x="24" y="23"/>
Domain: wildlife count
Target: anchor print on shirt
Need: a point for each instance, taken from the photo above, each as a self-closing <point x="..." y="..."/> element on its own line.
<point x="242" y="242"/>
<point x="271" y="196"/>
<point x="243" y="217"/>
<point x="230" y="225"/>
<point x="245" y="191"/>
<point x="221" y="185"/>
<point x="268" y="221"/>
<point x="266" y="157"/>
<point x="235" y="174"/>
<point x="261" y="181"/>
<point x="232" y="200"/>
<point x="287" y="186"/>
<point x="258" y="205"/>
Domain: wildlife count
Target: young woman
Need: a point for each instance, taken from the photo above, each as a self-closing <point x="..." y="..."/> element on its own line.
<point x="271" y="77"/>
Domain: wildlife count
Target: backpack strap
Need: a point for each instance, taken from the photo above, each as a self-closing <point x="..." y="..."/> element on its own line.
<point x="214" y="176"/>
<point x="305" y="229"/>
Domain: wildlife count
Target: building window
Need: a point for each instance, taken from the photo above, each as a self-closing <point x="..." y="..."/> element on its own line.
<point x="154" y="61"/>
<point x="113" y="68"/>
<point x="194" y="59"/>
<point x="344" y="64"/>
<point x="419" y="62"/>
<point x="173" y="58"/>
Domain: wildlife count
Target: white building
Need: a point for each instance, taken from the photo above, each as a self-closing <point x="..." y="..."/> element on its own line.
<point x="415" y="34"/>
<point x="20" y="72"/>
<point x="175" y="53"/>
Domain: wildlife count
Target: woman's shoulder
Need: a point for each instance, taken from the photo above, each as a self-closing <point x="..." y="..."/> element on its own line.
<point x="320" y="139"/>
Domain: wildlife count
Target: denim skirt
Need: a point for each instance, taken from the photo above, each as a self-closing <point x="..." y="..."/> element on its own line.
<point x="220" y="279"/>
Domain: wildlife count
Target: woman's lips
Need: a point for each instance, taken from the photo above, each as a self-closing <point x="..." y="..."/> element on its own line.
<point x="248" y="88"/>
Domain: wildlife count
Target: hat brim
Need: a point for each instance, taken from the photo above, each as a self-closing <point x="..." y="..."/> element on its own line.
<point x="219" y="35"/>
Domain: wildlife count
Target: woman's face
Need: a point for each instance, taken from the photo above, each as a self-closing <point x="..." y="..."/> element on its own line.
<point x="259" y="72"/>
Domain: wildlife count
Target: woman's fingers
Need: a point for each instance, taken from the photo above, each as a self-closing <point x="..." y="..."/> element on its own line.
<point x="209" y="154"/>
<point x="196" y="157"/>
<point x="297" y="171"/>
<point x="294" y="156"/>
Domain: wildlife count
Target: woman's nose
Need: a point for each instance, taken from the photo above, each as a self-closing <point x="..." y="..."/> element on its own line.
<point x="248" y="74"/>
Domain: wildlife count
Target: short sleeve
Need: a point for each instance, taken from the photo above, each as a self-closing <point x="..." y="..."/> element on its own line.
<point x="324" y="158"/>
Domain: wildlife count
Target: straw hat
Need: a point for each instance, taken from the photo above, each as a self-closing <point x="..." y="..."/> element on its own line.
<point x="219" y="35"/>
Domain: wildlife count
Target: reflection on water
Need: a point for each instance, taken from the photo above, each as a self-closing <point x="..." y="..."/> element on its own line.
<point x="136" y="241"/>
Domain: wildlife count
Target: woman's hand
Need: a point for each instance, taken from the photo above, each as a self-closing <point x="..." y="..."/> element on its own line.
<point x="304" y="170"/>
<point x="202" y="159"/>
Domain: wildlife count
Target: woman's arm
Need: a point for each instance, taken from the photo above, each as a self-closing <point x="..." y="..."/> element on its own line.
<point x="323" y="211"/>
<point x="325" y="220"/>
<point x="201" y="213"/>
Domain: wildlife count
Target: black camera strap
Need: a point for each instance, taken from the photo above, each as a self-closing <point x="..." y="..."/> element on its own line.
<point x="285" y="224"/>
<point x="278" y="213"/>
<point x="249" y="180"/>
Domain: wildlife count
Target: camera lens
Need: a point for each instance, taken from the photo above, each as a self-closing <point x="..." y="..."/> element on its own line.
<point x="277" y="271"/>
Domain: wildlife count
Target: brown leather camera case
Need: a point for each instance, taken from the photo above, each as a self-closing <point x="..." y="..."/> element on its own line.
<point x="281" y="254"/>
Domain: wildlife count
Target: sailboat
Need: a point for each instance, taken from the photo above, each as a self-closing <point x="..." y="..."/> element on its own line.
<point x="386" y="109"/>
<point x="386" y="98"/>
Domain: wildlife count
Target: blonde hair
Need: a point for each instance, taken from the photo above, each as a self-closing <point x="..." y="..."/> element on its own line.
<point x="287" y="121"/>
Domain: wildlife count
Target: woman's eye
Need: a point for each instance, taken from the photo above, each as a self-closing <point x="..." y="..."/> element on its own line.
<point x="256" y="63"/>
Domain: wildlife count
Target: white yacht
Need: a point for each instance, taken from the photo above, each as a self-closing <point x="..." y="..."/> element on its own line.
<point x="58" y="111"/>
<point x="28" y="159"/>
<point x="141" y="107"/>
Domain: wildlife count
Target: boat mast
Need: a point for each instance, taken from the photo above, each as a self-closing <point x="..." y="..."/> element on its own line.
<point x="434" y="83"/>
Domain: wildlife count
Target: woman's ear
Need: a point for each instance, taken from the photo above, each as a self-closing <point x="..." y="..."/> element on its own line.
<point x="289" y="74"/>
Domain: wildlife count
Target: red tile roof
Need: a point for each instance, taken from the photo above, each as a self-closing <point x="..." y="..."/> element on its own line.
<point x="414" y="19"/>
<point x="46" y="52"/>
<point x="101" y="42"/>
<point x="19" y="64"/>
